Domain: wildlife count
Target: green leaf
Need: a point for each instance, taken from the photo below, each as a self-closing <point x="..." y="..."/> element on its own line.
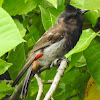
<point x="33" y="36"/>
<point x="86" y="4"/>
<point x="5" y="89"/>
<point x="25" y="1"/>
<point x="19" y="6"/>
<point x="60" y="4"/>
<point x="53" y="2"/>
<point x="92" y="4"/>
<point x="81" y="62"/>
<point x="74" y="58"/>
<point x="1" y="2"/>
<point x="33" y="90"/>
<point x="92" y="16"/>
<point x="70" y="84"/>
<point x="92" y="55"/>
<point x="4" y="66"/>
<point x="9" y="33"/>
<point x="48" y="18"/>
<point x="18" y="58"/>
<point x="78" y="4"/>
<point x="34" y="32"/>
<point x="20" y="27"/>
<point x="84" y="41"/>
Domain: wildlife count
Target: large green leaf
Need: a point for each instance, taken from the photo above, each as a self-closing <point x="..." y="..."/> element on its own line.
<point x="78" y="4"/>
<point x="19" y="6"/>
<point x="86" y="4"/>
<point x="92" y="55"/>
<point x="18" y="58"/>
<point x="69" y="84"/>
<point x="48" y="18"/>
<point x="92" y="4"/>
<point x="4" y="66"/>
<point x="84" y="41"/>
<point x="9" y="33"/>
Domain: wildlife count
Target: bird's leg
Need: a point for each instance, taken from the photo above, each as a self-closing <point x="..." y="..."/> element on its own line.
<point x="57" y="62"/>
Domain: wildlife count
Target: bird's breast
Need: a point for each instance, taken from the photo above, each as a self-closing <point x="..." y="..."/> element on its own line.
<point x="51" y="52"/>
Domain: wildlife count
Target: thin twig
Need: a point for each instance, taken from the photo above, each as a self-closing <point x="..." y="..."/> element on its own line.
<point x="57" y="79"/>
<point x="40" y="91"/>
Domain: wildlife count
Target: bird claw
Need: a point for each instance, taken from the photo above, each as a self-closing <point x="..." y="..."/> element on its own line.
<point x="57" y="62"/>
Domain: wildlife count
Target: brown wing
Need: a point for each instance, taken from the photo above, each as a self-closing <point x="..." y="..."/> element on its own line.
<point x="54" y="34"/>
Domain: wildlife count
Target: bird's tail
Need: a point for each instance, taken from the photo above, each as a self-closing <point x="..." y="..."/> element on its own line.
<point x="27" y="65"/>
<point x="31" y="72"/>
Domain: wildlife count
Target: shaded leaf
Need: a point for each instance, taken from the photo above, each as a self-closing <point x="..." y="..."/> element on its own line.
<point x="4" y="66"/>
<point x="33" y="90"/>
<point x="92" y="16"/>
<point x="81" y="62"/>
<point x="72" y="83"/>
<point x="33" y="36"/>
<point x="92" y="55"/>
<point x="60" y="4"/>
<point x="74" y="58"/>
<point x="20" y="27"/>
<point x="18" y="58"/>
<point x="9" y="33"/>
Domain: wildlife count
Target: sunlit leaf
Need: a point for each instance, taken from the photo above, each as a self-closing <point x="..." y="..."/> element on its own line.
<point x="53" y="2"/>
<point x="1" y="2"/>
<point x="4" y="66"/>
<point x="9" y="33"/>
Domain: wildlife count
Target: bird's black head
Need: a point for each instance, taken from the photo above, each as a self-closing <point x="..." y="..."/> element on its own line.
<point x="71" y="15"/>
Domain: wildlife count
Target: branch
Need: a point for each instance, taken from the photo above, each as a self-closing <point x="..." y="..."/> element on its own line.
<point x="57" y="79"/>
<point x="17" y="92"/>
<point x="40" y="91"/>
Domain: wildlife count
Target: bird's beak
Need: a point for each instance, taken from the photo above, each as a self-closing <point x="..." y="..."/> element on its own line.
<point x="84" y="11"/>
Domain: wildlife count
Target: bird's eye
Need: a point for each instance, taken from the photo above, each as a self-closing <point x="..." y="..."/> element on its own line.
<point x="72" y="21"/>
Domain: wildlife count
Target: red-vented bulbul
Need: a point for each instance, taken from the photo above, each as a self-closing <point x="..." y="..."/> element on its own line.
<point x="55" y="42"/>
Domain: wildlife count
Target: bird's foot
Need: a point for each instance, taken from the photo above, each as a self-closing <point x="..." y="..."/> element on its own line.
<point x="57" y="62"/>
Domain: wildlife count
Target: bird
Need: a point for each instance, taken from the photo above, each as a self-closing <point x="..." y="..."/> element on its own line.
<point x="54" y="43"/>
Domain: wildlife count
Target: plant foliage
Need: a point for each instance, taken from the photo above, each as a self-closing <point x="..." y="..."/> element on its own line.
<point x="23" y="22"/>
